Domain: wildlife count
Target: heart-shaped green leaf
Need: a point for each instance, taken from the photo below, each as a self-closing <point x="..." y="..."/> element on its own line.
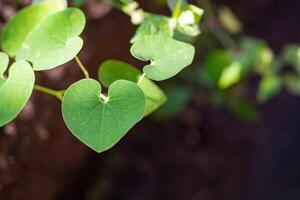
<point x="100" y="123"/>
<point x="168" y="56"/>
<point x="14" y="90"/>
<point x="54" y="41"/>
<point x="19" y="27"/>
<point x="113" y="70"/>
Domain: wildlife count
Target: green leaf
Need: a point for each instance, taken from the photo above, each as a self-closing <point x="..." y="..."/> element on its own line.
<point x="291" y="55"/>
<point x="54" y="41"/>
<point x="19" y="27"/>
<point x="292" y="84"/>
<point x="255" y="55"/>
<point x="178" y="98"/>
<point x="113" y="70"/>
<point x="101" y="122"/>
<point x="213" y="67"/>
<point x="153" y="25"/>
<point x="230" y="75"/>
<point x="269" y="87"/>
<point x="168" y="56"/>
<point x="14" y="90"/>
<point x="229" y="20"/>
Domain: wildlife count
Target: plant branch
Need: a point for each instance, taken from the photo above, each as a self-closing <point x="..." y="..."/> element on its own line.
<point x="222" y="36"/>
<point x="141" y="78"/>
<point x="56" y="93"/>
<point x="82" y="67"/>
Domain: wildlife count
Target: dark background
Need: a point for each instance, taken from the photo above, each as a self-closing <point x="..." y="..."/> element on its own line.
<point x="203" y="153"/>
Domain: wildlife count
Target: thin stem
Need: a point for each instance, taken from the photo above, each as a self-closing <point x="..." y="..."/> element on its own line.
<point x="224" y="38"/>
<point x="56" y="93"/>
<point x="81" y="66"/>
<point x="141" y="78"/>
<point x="104" y="98"/>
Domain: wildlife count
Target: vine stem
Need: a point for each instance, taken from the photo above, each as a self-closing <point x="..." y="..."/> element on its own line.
<point x="224" y="38"/>
<point x="141" y="78"/>
<point x="56" y="93"/>
<point x="104" y="98"/>
<point x="82" y="67"/>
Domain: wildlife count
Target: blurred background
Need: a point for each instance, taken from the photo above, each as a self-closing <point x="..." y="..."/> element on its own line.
<point x="196" y="149"/>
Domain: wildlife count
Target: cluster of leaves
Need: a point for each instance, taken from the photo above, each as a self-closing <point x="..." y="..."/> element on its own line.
<point x="223" y="74"/>
<point x="46" y="35"/>
<point x="224" y="71"/>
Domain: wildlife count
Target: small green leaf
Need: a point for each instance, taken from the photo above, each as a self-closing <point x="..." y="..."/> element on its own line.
<point x="230" y="75"/>
<point x="269" y="86"/>
<point x="168" y="56"/>
<point x="291" y="55"/>
<point x="154" y="25"/>
<point x="229" y="20"/>
<point x="101" y="122"/>
<point x="19" y="27"/>
<point x="54" y="41"/>
<point x="113" y="70"/>
<point x="292" y="84"/>
<point x="213" y="67"/>
<point x="14" y="90"/>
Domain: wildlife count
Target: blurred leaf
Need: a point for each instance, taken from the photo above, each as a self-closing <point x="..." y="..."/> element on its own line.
<point x="20" y="26"/>
<point x="113" y="70"/>
<point x="230" y="75"/>
<point x="291" y="55"/>
<point x="167" y="56"/>
<point x="292" y="84"/>
<point x="213" y="66"/>
<point x="153" y="25"/>
<point x="245" y="110"/>
<point x="269" y="87"/>
<point x="229" y="20"/>
<point x="178" y="98"/>
<point x="266" y="63"/>
<point x="252" y="49"/>
<point x="55" y="40"/>
<point x="255" y="53"/>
